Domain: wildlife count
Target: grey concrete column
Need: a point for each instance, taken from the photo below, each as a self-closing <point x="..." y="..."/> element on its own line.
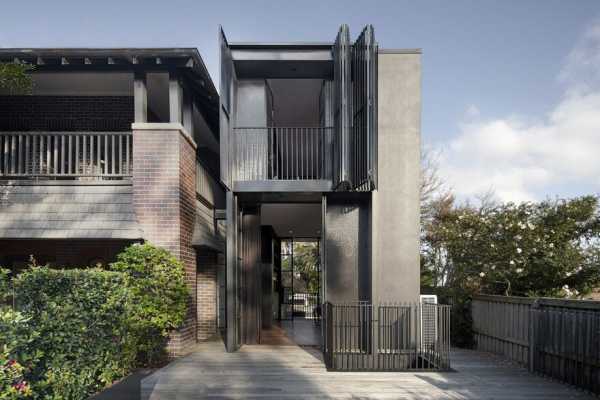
<point x="396" y="202"/>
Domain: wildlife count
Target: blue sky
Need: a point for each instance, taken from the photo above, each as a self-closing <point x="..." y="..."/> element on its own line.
<point x="492" y="70"/>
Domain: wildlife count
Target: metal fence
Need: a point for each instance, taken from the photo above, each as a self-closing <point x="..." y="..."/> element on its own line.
<point x="282" y="153"/>
<point x="558" y="338"/>
<point x="386" y="337"/>
<point x="65" y="154"/>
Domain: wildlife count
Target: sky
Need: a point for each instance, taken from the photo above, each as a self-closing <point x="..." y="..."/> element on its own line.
<point x="511" y="89"/>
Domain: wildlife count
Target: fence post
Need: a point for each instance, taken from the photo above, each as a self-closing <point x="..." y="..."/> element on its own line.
<point x="533" y="328"/>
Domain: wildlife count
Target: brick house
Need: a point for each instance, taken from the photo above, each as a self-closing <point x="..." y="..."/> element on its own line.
<point x="307" y="142"/>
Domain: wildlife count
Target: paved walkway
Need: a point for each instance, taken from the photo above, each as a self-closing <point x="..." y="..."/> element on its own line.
<point x="292" y="372"/>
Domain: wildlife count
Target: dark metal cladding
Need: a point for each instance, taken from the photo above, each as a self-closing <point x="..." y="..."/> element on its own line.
<point x="364" y="112"/>
<point x="342" y="120"/>
<point x="227" y="88"/>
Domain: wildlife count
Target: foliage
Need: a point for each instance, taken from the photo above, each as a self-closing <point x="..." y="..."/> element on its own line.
<point x="79" y="322"/>
<point x="15" y="78"/>
<point x="550" y="248"/>
<point x="156" y="281"/>
<point x="17" y="357"/>
<point x="307" y="264"/>
<point x="5" y="286"/>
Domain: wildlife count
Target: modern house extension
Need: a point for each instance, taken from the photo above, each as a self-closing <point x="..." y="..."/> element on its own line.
<point x="291" y="194"/>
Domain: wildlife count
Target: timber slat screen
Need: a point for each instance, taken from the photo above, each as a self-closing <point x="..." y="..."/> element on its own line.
<point x="65" y="155"/>
<point x="386" y="337"/>
<point x="282" y="153"/>
<point x="555" y="337"/>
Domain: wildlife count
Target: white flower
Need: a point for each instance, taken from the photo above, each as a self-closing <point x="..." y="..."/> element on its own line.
<point x="493" y="267"/>
<point x="482" y="274"/>
<point x="566" y="287"/>
<point x="568" y="274"/>
<point x="519" y="270"/>
<point x="519" y="250"/>
<point x="551" y="245"/>
<point x="518" y="237"/>
<point x="512" y="262"/>
<point x="492" y="245"/>
<point x="530" y="225"/>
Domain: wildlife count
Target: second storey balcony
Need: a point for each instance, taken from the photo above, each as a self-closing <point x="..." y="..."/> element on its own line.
<point x="282" y="157"/>
<point x="66" y="155"/>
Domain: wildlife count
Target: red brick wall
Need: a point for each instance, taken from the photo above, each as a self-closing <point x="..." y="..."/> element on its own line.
<point x="164" y="201"/>
<point x="206" y="281"/>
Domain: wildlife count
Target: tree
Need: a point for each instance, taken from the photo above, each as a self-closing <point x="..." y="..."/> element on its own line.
<point x="15" y="78"/>
<point x="531" y="249"/>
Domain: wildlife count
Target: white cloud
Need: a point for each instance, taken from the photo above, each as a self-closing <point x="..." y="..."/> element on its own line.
<point x="523" y="160"/>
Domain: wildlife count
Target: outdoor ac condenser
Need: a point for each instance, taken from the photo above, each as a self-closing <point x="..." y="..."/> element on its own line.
<point x="429" y="318"/>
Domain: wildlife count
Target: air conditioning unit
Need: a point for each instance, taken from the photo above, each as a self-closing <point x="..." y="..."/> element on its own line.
<point x="428" y="320"/>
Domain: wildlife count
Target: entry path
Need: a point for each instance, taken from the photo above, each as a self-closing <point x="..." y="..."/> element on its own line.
<point x="292" y="372"/>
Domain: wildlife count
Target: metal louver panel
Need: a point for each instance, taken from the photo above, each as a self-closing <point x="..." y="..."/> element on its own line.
<point x="226" y="96"/>
<point x="342" y="110"/>
<point x="363" y="153"/>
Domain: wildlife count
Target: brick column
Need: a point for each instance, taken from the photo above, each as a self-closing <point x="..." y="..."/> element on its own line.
<point x="164" y="196"/>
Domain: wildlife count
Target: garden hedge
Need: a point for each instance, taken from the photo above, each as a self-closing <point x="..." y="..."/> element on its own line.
<point x="73" y="332"/>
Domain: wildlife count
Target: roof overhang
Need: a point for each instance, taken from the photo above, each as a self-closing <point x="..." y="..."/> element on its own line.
<point x="187" y="61"/>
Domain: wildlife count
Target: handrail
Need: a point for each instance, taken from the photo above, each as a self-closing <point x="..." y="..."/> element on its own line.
<point x="282" y="153"/>
<point x="66" y="155"/>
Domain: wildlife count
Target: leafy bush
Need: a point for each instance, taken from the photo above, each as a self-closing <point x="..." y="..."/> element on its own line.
<point x="83" y="338"/>
<point x="156" y="281"/>
<point x="17" y="355"/>
<point x="5" y="286"/>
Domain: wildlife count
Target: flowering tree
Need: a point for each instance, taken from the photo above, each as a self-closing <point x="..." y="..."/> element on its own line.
<point x="549" y="248"/>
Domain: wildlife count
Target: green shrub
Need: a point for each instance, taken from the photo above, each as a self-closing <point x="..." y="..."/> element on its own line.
<point x="5" y="286"/>
<point x="156" y="281"/>
<point x="83" y="329"/>
<point x="18" y="356"/>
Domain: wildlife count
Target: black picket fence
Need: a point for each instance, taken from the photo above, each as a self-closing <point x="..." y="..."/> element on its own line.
<point x="386" y="337"/>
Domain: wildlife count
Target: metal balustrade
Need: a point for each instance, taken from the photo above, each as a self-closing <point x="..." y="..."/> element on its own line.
<point x="65" y="155"/>
<point x="282" y="153"/>
<point x="386" y="337"/>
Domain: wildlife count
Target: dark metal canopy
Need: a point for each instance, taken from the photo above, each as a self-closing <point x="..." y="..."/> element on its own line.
<point x="282" y="60"/>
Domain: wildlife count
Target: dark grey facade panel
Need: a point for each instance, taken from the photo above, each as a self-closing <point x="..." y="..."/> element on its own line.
<point x="347" y="243"/>
<point x="68" y="212"/>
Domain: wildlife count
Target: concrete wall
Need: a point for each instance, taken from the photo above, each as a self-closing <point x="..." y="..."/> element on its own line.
<point x="347" y="231"/>
<point x="396" y="207"/>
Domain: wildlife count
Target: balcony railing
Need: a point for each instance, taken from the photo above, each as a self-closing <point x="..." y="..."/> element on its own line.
<point x="282" y="153"/>
<point x="58" y="155"/>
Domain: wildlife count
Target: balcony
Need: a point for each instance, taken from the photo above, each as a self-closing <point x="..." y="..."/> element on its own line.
<point x="282" y="158"/>
<point x="66" y="155"/>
